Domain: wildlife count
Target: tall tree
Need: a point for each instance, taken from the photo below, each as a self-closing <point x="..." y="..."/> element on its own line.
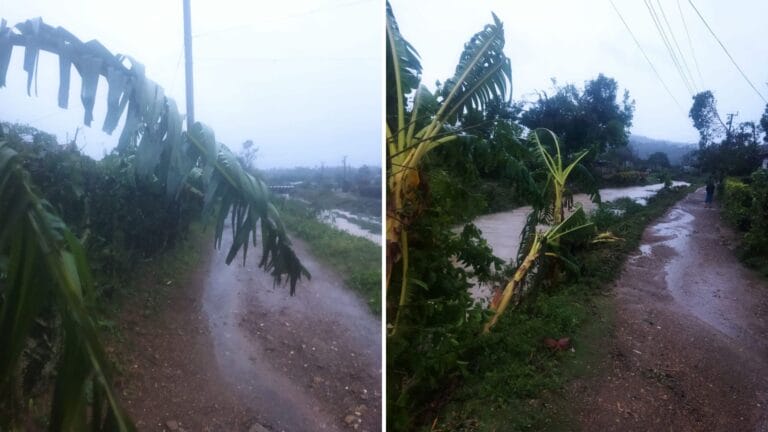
<point x="593" y="118"/>
<point x="706" y="119"/>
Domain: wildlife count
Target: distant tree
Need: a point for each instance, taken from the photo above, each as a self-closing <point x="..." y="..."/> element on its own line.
<point x="247" y="156"/>
<point x="737" y="153"/>
<point x="658" y="160"/>
<point x="764" y="124"/>
<point x="592" y="119"/>
<point x="705" y="118"/>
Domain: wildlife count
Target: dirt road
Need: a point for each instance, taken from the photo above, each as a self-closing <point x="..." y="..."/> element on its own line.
<point x="232" y="352"/>
<point x="689" y="346"/>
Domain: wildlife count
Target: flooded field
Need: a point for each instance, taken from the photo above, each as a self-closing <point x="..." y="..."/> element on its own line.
<point x="355" y="224"/>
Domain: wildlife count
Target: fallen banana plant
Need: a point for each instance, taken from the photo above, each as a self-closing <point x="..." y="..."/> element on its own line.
<point x="483" y="74"/>
<point x="544" y="244"/>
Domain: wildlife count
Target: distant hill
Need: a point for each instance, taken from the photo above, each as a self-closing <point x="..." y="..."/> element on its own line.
<point x="644" y="146"/>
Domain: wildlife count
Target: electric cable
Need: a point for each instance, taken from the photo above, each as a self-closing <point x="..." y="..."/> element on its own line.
<point x="727" y="53"/>
<point x="656" y="72"/>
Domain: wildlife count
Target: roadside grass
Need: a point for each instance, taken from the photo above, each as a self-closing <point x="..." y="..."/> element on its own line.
<point x="513" y="382"/>
<point x="356" y="259"/>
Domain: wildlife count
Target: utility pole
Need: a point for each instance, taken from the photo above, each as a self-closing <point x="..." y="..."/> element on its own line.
<point x="188" y="64"/>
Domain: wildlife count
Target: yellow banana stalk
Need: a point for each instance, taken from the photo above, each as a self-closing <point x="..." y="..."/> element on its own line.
<point x="483" y="74"/>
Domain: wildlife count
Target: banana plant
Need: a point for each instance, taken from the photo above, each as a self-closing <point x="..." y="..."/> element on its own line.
<point x="483" y="74"/>
<point x="44" y="260"/>
<point x="558" y="172"/>
<point x="40" y="258"/>
<point x="545" y="244"/>
<point x="153" y="134"/>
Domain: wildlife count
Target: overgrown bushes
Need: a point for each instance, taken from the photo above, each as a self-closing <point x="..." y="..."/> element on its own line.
<point x="119" y="217"/>
<point x="745" y="205"/>
<point x="737" y="203"/>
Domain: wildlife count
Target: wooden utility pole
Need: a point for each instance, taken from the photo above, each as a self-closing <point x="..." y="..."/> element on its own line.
<point x="188" y="64"/>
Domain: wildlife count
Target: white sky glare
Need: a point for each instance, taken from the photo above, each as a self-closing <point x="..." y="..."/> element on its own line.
<point x="574" y="41"/>
<point x="302" y="79"/>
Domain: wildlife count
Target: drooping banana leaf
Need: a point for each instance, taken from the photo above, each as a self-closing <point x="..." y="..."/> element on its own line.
<point x="153" y="131"/>
<point x="6" y="48"/>
<point x="233" y="192"/>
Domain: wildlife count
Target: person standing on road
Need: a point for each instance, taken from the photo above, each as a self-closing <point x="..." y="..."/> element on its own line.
<point x="710" y="191"/>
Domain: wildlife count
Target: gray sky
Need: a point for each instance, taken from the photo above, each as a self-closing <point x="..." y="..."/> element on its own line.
<point x="573" y="41"/>
<point x="302" y="79"/>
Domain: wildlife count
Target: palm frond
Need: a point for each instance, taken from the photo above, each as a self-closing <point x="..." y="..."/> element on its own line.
<point x="46" y="260"/>
<point x="483" y="74"/>
<point x="153" y="134"/>
<point x="233" y="192"/>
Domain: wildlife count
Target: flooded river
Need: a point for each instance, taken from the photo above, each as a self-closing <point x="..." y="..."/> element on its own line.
<point x="502" y="230"/>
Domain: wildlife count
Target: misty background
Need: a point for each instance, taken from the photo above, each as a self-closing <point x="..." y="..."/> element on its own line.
<point x="302" y="79"/>
<point x="575" y="41"/>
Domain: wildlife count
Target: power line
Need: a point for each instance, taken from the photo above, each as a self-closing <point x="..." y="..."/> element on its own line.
<point x="674" y="39"/>
<point x="656" y="72"/>
<point x="726" y="52"/>
<point x="657" y="22"/>
<point x="690" y="44"/>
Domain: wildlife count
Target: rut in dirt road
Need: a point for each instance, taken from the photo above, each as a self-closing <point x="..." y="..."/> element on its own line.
<point x="311" y="362"/>
<point x="689" y="344"/>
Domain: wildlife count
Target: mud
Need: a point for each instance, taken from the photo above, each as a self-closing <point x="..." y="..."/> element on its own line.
<point x="231" y="352"/>
<point x="689" y="343"/>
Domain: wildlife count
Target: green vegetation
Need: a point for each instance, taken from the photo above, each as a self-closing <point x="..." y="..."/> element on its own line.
<point x="46" y="297"/>
<point x="585" y="119"/>
<point x="745" y="205"/>
<point x="358" y="260"/>
<point x="511" y="377"/>
<point x="725" y="148"/>
<point x="453" y="153"/>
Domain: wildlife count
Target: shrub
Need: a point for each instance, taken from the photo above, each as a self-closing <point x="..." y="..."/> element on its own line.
<point x="737" y="203"/>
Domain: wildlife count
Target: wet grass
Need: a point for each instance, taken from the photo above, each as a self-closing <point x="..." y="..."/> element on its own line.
<point x="513" y="381"/>
<point x="356" y="259"/>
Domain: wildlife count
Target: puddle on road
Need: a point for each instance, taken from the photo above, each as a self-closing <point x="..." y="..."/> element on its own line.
<point x="704" y="276"/>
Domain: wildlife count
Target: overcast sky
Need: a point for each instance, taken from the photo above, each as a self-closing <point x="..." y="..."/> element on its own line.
<point x="301" y="78"/>
<point x="573" y="41"/>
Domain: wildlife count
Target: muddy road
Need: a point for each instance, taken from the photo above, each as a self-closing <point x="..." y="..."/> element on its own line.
<point x="688" y="349"/>
<point x="233" y="352"/>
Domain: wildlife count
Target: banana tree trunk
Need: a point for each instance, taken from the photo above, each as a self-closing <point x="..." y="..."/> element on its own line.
<point x="513" y="284"/>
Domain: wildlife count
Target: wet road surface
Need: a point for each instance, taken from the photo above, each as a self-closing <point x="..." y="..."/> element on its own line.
<point x="311" y="362"/>
<point x="689" y="344"/>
